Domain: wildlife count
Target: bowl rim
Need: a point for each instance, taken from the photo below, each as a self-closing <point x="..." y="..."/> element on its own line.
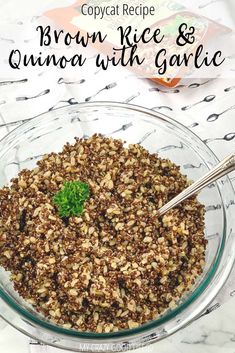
<point x="56" y="329"/>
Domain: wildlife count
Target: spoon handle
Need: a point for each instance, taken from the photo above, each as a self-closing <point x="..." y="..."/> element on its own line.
<point x="226" y="166"/>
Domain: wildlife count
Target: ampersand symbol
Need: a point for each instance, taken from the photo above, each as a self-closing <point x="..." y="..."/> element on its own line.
<point x="185" y="37"/>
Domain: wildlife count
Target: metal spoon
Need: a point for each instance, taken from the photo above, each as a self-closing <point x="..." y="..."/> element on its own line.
<point x="226" y="166"/>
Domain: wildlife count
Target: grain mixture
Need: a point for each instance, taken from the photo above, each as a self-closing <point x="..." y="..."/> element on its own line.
<point x="117" y="265"/>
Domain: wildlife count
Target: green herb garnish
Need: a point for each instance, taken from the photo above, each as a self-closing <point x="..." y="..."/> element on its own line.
<point x="172" y="28"/>
<point x="71" y="198"/>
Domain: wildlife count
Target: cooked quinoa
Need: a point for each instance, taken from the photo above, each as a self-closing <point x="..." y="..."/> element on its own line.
<point x="117" y="265"/>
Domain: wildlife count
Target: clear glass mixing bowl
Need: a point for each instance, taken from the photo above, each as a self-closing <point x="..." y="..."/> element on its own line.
<point x="158" y="133"/>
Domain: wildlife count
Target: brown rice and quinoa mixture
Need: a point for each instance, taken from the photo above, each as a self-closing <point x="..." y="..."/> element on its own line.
<point x="117" y="265"/>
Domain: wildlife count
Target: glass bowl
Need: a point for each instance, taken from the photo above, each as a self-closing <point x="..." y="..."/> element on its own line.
<point x="158" y="133"/>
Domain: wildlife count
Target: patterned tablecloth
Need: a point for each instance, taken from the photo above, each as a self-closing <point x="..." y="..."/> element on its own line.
<point x="206" y="106"/>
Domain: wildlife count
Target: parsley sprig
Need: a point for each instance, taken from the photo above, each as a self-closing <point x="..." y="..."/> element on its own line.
<point x="71" y="198"/>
